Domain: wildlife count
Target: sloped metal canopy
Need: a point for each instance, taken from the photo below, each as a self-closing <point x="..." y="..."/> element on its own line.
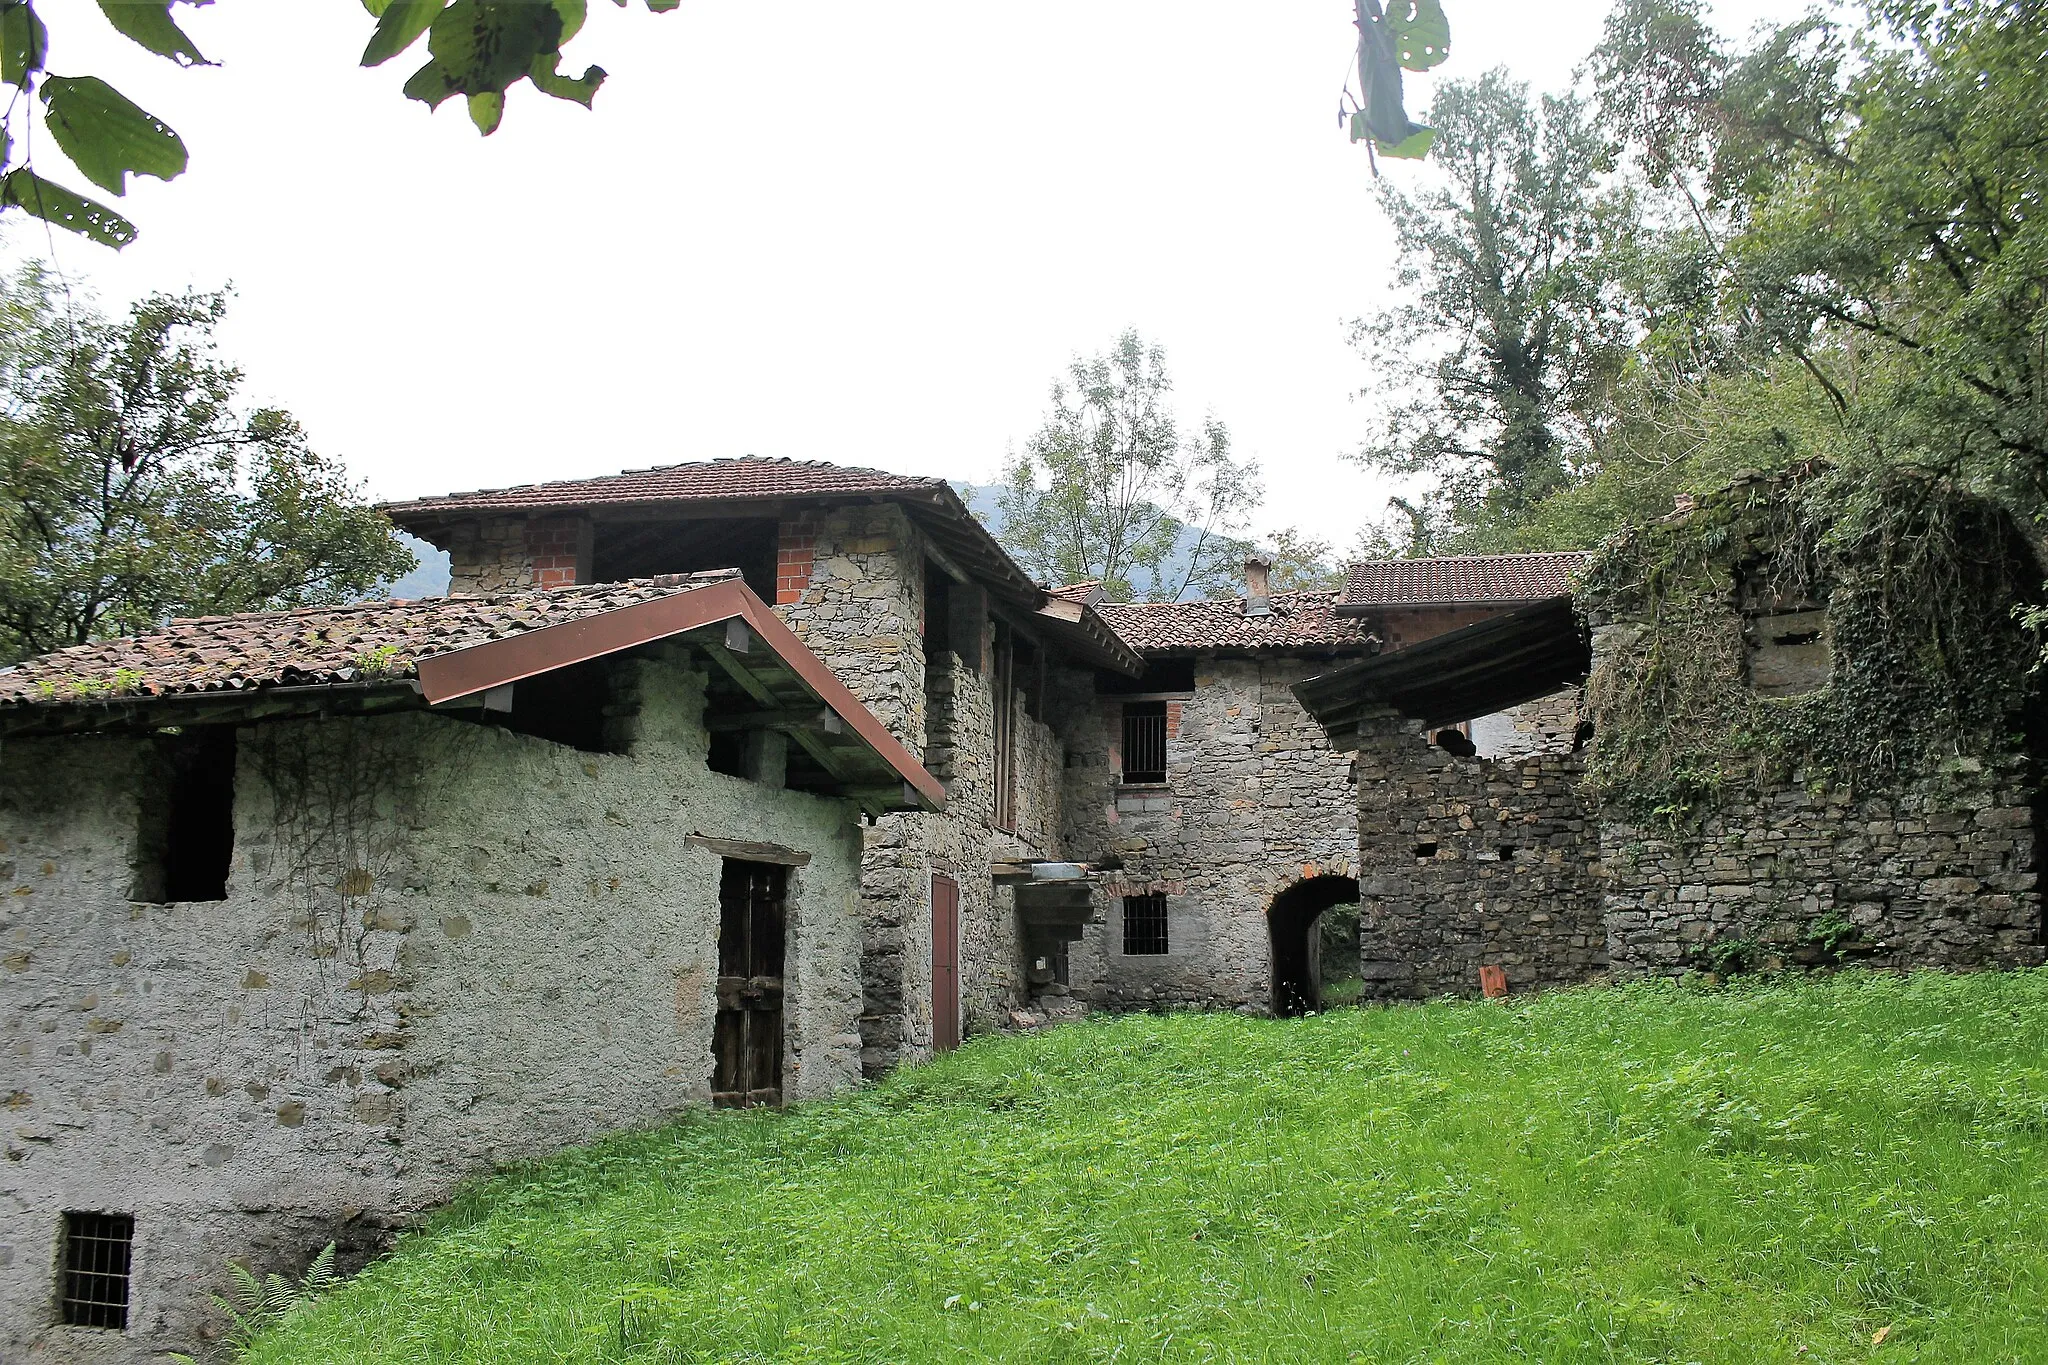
<point x="1502" y="661"/>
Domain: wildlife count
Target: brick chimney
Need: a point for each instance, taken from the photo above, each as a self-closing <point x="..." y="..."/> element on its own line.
<point x="1256" y="591"/>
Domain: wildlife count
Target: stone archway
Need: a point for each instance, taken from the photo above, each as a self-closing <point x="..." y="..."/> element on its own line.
<point x="1291" y="919"/>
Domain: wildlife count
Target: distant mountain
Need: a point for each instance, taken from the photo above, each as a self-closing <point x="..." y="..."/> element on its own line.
<point x="430" y="579"/>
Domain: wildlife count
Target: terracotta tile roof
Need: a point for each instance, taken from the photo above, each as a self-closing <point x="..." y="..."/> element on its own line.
<point x="1300" y="620"/>
<point x="932" y="503"/>
<point x="748" y="477"/>
<point x="1462" y="581"/>
<point x="313" y="645"/>
<point x="1087" y="594"/>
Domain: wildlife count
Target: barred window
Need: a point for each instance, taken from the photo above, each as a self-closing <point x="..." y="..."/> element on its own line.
<point x="97" y="1251"/>
<point x="1145" y="741"/>
<point x="1144" y="925"/>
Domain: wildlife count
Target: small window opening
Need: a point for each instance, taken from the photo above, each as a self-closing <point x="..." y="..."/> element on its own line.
<point x="568" y="706"/>
<point x="98" y="1249"/>
<point x="1145" y="925"/>
<point x="1425" y="850"/>
<point x="1453" y="740"/>
<point x="1144" y="741"/>
<point x="1507" y="853"/>
<point x="186" y="838"/>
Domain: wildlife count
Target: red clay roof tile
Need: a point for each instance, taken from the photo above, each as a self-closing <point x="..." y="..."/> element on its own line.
<point x="1467" y="580"/>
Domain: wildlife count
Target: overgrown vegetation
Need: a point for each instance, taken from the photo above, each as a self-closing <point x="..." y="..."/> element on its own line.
<point x="1818" y="244"/>
<point x="1929" y="664"/>
<point x="1775" y="1172"/>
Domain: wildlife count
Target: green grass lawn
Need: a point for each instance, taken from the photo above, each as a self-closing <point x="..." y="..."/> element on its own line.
<point x="1756" y="1174"/>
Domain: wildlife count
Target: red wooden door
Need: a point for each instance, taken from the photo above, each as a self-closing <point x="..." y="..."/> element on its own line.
<point x="945" y="964"/>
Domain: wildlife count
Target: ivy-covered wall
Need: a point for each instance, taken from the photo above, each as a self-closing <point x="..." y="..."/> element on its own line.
<point x="1812" y="702"/>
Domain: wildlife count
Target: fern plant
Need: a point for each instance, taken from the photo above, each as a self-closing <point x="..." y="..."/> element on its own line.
<point x="261" y="1302"/>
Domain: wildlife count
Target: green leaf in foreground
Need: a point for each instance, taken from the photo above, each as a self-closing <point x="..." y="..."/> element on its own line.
<point x="149" y="23"/>
<point x="399" y="27"/>
<point x="23" y="42"/>
<point x="1421" y="33"/>
<point x="107" y="135"/>
<point x="23" y="189"/>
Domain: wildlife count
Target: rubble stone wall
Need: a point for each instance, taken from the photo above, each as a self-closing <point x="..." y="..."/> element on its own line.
<point x="1935" y="869"/>
<point x="444" y="947"/>
<point x="509" y="554"/>
<point x="1255" y="800"/>
<point x="1472" y="862"/>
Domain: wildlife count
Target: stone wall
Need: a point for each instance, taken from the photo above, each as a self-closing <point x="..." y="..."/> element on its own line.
<point x="444" y="946"/>
<point x="509" y="554"/>
<point x="1939" y="875"/>
<point x="1547" y="725"/>
<point x="1255" y="800"/>
<point x="1471" y="862"/>
<point x="861" y="610"/>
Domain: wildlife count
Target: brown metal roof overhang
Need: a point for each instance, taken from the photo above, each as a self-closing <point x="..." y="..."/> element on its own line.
<point x="465" y="672"/>
<point x="770" y="661"/>
<point x="1503" y="661"/>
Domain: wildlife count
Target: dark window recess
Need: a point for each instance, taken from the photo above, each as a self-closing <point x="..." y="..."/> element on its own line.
<point x="1144" y="741"/>
<point x="1003" y="689"/>
<point x="629" y="549"/>
<point x="1425" y="850"/>
<point x="938" y="611"/>
<point x="98" y="1249"/>
<point x="1144" y="925"/>
<point x="1507" y="853"/>
<point x="186" y="837"/>
<point x="569" y="706"/>
<point x="1161" y="675"/>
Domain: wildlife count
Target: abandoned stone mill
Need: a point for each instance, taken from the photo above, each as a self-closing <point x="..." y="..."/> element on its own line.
<point x="738" y="782"/>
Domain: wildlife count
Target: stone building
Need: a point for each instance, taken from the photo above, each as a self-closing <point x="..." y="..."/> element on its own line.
<point x="1576" y="851"/>
<point x="307" y="917"/>
<point x="1225" y="819"/>
<point x="894" y="584"/>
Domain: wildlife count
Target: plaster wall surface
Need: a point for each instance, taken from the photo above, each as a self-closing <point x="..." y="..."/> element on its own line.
<point x="443" y="947"/>
<point x="1255" y="800"/>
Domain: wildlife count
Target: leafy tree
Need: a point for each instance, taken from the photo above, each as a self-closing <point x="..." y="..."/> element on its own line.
<point x="1111" y="489"/>
<point x="133" y="488"/>
<point x="1860" y="204"/>
<point x="477" y="49"/>
<point x="1491" y="378"/>
<point x="1301" y="562"/>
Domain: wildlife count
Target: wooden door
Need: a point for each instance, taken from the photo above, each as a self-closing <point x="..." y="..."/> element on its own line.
<point x="746" y="1044"/>
<point x="945" y="964"/>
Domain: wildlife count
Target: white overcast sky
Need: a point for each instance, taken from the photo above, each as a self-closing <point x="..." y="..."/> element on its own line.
<point x="867" y="231"/>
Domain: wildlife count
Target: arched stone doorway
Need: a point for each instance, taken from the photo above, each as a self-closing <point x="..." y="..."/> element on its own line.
<point x="1291" y="918"/>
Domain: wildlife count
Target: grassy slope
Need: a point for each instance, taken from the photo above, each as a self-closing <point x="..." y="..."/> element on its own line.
<point x="1762" y="1174"/>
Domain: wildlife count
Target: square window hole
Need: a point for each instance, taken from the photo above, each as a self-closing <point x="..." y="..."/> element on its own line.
<point x="98" y="1249"/>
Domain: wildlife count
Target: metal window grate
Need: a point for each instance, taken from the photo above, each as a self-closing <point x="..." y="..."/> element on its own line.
<point x="98" y="1248"/>
<point x="1145" y="741"/>
<point x="1144" y="925"/>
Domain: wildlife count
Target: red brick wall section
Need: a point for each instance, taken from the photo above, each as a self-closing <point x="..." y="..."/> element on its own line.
<point x="793" y="548"/>
<point x="555" y="549"/>
<point x="1173" y="720"/>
